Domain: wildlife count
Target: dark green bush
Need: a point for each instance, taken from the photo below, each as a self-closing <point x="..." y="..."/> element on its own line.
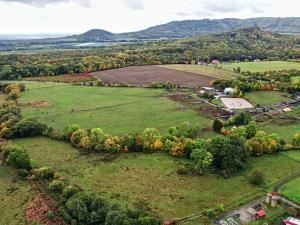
<point x="256" y="178"/>
<point x="69" y="191"/>
<point x="16" y="156"/>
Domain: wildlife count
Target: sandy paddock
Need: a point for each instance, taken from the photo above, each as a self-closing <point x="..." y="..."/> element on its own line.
<point x="236" y="103"/>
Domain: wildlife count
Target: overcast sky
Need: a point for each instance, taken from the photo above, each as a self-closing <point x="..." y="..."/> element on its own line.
<point x="76" y="16"/>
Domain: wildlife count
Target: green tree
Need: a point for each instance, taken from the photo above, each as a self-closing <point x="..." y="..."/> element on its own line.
<point x="202" y="160"/>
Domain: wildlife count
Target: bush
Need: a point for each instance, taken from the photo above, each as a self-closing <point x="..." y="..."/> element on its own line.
<point x="217" y="125"/>
<point x="69" y="191"/>
<point x="99" y="83"/>
<point x="257" y="178"/>
<point x="210" y="213"/>
<point x="202" y="160"/>
<point x="17" y="157"/>
<point x="23" y="173"/>
<point x="50" y="215"/>
<point x="28" y="127"/>
<point x="87" y="208"/>
<point x="43" y="173"/>
<point x="183" y="170"/>
<point x="56" y="186"/>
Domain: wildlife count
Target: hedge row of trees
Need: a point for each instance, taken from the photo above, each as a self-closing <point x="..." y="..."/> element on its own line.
<point x="12" y="125"/>
<point x="263" y="81"/>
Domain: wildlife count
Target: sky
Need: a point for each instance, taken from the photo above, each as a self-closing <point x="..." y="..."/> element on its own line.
<point x="77" y="16"/>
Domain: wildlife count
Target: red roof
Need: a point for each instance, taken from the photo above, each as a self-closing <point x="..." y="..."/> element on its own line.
<point x="261" y="213"/>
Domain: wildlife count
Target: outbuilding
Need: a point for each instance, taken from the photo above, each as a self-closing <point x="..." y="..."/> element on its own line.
<point x="229" y="91"/>
<point x="260" y="214"/>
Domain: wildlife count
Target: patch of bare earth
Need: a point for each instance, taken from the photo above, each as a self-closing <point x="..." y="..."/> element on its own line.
<point x="142" y="75"/>
<point x="38" y="104"/>
<point x="39" y="207"/>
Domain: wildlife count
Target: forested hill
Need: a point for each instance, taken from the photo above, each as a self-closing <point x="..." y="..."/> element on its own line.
<point x="245" y="44"/>
<point x="188" y="28"/>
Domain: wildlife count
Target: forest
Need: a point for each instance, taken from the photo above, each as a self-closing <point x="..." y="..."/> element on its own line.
<point x="243" y="45"/>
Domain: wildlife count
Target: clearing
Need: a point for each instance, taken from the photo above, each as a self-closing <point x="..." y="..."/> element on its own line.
<point x="210" y="71"/>
<point x="153" y="177"/>
<point x="142" y="75"/>
<point x="262" y="66"/>
<point x="266" y="97"/>
<point x="115" y="110"/>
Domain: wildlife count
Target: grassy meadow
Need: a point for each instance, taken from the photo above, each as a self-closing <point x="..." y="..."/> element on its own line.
<point x="153" y="177"/>
<point x="262" y="66"/>
<point x="115" y="110"/>
<point x="286" y="125"/>
<point x="14" y="197"/>
<point x="266" y="97"/>
<point x="203" y="70"/>
<point x="291" y="190"/>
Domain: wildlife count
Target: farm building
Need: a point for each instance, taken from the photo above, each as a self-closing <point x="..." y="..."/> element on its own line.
<point x="260" y="214"/>
<point x="215" y="62"/>
<point x="291" y="221"/>
<point x="228" y="91"/>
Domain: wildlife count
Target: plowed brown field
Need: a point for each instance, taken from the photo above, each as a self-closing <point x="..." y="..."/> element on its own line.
<point x="142" y="75"/>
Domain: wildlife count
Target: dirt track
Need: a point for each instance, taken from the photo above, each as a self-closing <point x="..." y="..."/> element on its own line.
<point x="141" y="75"/>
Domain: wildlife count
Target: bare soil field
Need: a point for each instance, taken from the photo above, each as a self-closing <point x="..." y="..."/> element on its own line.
<point x="142" y="75"/>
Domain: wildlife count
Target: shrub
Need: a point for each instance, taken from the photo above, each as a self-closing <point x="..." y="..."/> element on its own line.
<point x="44" y="173"/>
<point x="202" y="160"/>
<point x="16" y="156"/>
<point x="256" y="178"/>
<point x="69" y="191"/>
<point x="183" y="170"/>
<point x="50" y="215"/>
<point x="77" y="136"/>
<point x="56" y="186"/>
<point x="217" y="125"/>
<point x="210" y="213"/>
<point x="27" y="128"/>
<point x="99" y="83"/>
<point x="23" y="173"/>
<point x="87" y="208"/>
<point x="296" y="140"/>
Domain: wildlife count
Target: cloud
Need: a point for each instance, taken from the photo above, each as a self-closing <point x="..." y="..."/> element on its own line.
<point x="135" y="4"/>
<point x="43" y="3"/>
<point x="232" y="6"/>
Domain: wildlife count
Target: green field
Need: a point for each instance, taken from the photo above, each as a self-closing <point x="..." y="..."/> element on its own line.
<point x="265" y="97"/>
<point x="115" y="110"/>
<point x="204" y="70"/>
<point x="14" y="197"/>
<point x="153" y="177"/>
<point x="286" y="125"/>
<point x="262" y="66"/>
<point x="292" y="190"/>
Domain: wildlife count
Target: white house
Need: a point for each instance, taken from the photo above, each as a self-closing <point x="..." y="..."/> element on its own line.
<point x="229" y="91"/>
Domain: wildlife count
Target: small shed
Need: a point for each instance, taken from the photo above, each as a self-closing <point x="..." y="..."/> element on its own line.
<point x="228" y="91"/>
<point x="215" y="62"/>
<point x="260" y="214"/>
<point x="291" y="221"/>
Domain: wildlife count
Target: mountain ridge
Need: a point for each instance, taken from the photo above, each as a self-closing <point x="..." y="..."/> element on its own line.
<point x="188" y="28"/>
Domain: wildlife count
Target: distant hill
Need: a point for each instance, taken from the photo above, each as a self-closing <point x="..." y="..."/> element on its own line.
<point x="95" y="35"/>
<point x="188" y="28"/>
